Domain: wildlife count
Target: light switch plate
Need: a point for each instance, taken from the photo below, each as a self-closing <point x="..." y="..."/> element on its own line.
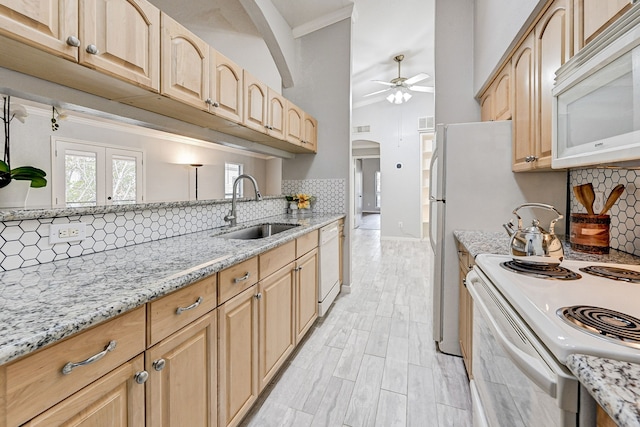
<point x="71" y="232"/>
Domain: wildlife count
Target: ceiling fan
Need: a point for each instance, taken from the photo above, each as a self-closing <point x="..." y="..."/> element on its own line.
<point x="400" y="86"/>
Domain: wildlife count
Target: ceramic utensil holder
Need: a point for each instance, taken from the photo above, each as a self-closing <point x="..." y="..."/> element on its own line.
<point x="590" y="233"/>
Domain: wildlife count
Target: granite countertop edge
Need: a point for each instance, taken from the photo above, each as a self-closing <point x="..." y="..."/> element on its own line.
<point x="612" y="383"/>
<point x="43" y="304"/>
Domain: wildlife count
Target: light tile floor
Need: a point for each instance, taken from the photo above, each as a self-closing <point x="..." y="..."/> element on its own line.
<point x="372" y="360"/>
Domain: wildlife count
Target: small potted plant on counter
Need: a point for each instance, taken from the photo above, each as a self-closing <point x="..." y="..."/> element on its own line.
<point x="300" y="203"/>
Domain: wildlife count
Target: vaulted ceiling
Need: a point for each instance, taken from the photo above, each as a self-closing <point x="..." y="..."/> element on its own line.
<point x="381" y="30"/>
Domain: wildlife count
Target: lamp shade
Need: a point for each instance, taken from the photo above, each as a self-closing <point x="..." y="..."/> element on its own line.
<point x="399" y="96"/>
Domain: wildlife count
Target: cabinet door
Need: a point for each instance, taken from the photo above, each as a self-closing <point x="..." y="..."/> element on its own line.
<point x="226" y="88"/>
<point x="552" y="49"/>
<point x="306" y="293"/>
<point x="523" y="105"/>
<point x="276" y="112"/>
<point x="181" y="389"/>
<point x="116" y="399"/>
<point x="276" y="319"/>
<point x="184" y="63"/>
<point x="44" y="24"/>
<point x="294" y="124"/>
<point x="502" y="96"/>
<point x="310" y="133"/>
<point x="237" y="357"/>
<point x="595" y="15"/>
<point x="255" y="104"/>
<point x="486" y="106"/>
<point x="122" y="38"/>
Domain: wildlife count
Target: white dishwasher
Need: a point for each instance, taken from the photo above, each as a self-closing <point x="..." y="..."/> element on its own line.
<point x="329" y="254"/>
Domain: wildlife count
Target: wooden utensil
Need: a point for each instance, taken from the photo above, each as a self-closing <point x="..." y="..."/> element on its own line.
<point x="578" y="194"/>
<point x="589" y="197"/>
<point x="613" y="197"/>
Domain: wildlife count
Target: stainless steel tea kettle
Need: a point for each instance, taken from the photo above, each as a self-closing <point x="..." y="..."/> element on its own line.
<point x="534" y="245"/>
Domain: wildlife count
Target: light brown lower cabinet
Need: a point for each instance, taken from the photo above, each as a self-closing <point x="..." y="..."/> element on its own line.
<point x="276" y="307"/>
<point x="113" y="400"/>
<point x="182" y="384"/>
<point x="237" y="357"/>
<point x="306" y="293"/>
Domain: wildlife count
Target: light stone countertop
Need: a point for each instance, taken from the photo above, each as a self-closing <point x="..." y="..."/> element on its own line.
<point x="42" y="304"/>
<point x="614" y="384"/>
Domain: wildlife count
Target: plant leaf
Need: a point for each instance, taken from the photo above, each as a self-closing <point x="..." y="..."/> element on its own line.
<point x="38" y="183"/>
<point x="27" y="170"/>
<point x="4" y="167"/>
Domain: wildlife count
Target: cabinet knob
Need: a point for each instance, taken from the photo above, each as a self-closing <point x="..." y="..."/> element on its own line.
<point x="141" y="377"/>
<point x="92" y="49"/>
<point x="259" y="295"/>
<point x="158" y="365"/>
<point x="73" y="41"/>
<point x="211" y="102"/>
<point x="530" y="159"/>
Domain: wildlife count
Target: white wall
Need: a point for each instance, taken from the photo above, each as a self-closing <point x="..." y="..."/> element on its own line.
<point x="168" y="178"/>
<point x="395" y="127"/>
<point x="454" y="102"/>
<point x="497" y="24"/>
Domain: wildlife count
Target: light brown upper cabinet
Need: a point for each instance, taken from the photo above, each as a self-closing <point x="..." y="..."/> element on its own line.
<point x="310" y="133"/>
<point x="486" y="106"/>
<point x="255" y="103"/>
<point x="85" y="32"/>
<point x="495" y="104"/>
<point x="593" y="16"/>
<point x="552" y="50"/>
<point x="185" y="65"/>
<point x="544" y="50"/>
<point x="295" y="125"/>
<point x="276" y="114"/>
<point x="225" y="88"/>
<point x="523" y="105"/>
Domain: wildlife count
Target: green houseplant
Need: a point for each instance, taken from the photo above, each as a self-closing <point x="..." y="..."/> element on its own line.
<point x="22" y="173"/>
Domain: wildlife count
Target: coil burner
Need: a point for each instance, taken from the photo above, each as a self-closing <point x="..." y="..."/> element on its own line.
<point x="541" y="271"/>
<point x="603" y="323"/>
<point x="611" y="272"/>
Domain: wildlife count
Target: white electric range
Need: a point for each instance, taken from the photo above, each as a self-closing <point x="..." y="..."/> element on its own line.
<point x="521" y="338"/>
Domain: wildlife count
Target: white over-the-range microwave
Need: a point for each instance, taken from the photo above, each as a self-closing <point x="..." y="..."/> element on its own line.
<point x="596" y="118"/>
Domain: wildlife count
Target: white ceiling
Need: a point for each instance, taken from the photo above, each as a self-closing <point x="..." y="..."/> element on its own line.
<point x="381" y="30"/>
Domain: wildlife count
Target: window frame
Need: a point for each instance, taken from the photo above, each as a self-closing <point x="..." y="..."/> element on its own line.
<point x="104" y="178"/>
<point x="240" y="172"/>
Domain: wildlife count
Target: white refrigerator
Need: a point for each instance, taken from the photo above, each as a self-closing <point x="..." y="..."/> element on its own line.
<point x="472" y="187"/>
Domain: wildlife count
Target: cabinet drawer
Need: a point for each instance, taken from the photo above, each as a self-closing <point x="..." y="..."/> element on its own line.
<point x="172" y="312"/>
<point x="35" y="383"/>
<point x="275" y="259"/>
<point x="237" y="278"/>
<point x="306" y="243"/>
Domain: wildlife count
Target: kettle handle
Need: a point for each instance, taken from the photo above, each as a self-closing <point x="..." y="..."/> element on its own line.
<point x="538" y="205"/>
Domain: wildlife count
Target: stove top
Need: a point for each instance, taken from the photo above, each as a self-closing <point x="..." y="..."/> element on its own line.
<point x="537" y="301"/>
<point x="603" y="323"/>
<point x="541" y="271"/>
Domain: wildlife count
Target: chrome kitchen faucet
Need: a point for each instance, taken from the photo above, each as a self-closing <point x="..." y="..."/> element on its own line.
<point x="231" y="218"/>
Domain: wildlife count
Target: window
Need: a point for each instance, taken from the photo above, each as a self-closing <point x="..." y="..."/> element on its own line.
<point x="377" y="186"/>
<point x="231" y="172"/>
<point x="89" y="174"/>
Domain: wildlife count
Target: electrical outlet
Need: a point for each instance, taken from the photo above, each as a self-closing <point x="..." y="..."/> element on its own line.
<point x="72" y="232"/>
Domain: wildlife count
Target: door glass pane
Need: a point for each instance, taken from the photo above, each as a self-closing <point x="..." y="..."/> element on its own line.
<point x="80" y="178"/>
<point x="124" y="180"/>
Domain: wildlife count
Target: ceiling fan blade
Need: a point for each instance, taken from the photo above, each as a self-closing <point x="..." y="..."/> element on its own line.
<point x="383" y="82"/>
<point x="375" y="93"/>
<point x="421" y="88"/>
<point x="417" y="78"/>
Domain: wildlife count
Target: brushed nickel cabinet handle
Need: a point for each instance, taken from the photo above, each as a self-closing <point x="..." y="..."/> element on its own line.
<point x="66" y="369"/>
<point x="141" y="377"/>
<point x="159" y="364"/>
<point x="242" y="279"/>
<point x="530" y="159"/>
<point x="180" y="310"/>
<point x="92" y="49"/>
<point x="73" y="41"/>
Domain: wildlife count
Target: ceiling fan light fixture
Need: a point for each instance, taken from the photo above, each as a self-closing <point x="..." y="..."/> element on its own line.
<point x="399" y="96"/>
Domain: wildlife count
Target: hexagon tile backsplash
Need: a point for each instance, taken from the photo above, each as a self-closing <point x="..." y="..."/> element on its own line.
<point x="25" y="242"/>
<point x="624" y="233"/>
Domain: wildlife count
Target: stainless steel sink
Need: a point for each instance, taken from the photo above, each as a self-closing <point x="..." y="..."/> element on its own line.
<point x="257" y="231"/>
